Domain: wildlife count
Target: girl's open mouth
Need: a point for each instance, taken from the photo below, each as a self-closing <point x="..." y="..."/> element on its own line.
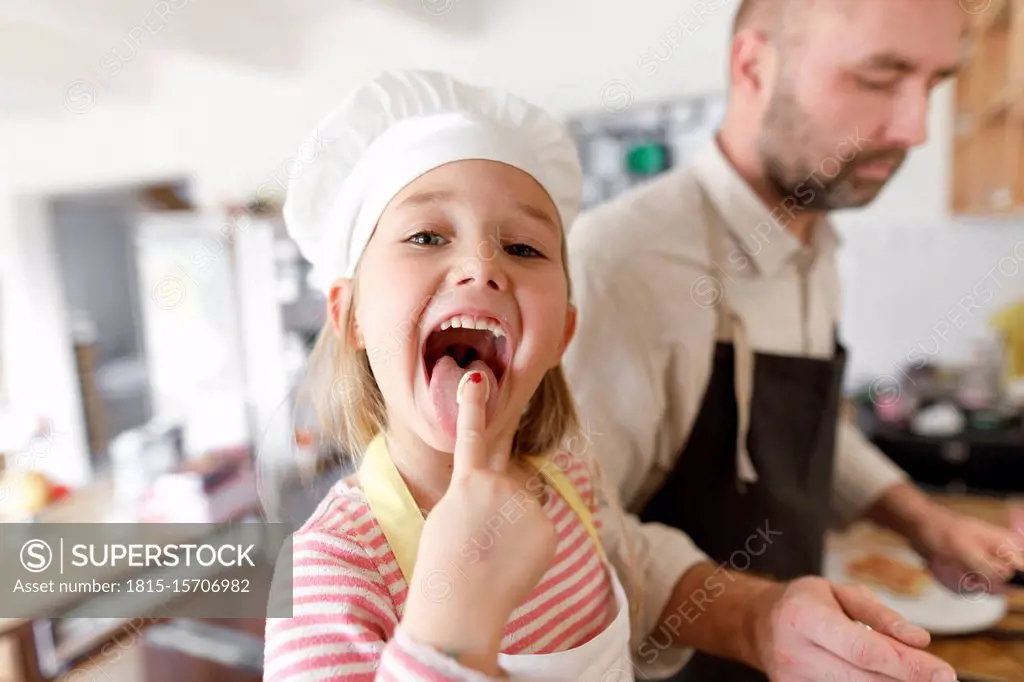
<point x="458" y="344"/>
<point x="473" y="339"/>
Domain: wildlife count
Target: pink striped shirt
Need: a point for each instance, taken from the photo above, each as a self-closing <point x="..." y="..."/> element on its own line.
<point x="349" y="596"/>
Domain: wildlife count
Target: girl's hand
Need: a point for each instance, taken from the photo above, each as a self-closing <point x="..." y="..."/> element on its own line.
<point x="484" y="546"/>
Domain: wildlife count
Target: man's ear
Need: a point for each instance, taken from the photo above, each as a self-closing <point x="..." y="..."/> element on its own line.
<point x="750" y="60"/>
<point x="338" y="303"/>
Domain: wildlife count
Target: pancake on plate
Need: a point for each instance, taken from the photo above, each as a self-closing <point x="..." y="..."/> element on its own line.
<point x="896" y="576"/>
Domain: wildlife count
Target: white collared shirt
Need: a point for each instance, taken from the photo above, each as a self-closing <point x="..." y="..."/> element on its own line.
<point x="647" y="295"/>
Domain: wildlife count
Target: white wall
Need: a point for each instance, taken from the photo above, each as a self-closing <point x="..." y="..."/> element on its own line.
<point x="232" y="128"/>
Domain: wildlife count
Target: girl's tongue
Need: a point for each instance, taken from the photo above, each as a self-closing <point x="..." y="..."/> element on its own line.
<point x="444" y="383"/>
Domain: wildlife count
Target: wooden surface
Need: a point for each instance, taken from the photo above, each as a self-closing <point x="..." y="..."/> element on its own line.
<point x="10" y="624"/>
<point x="981" y="654"/>
<point x="169" y="665"/>
<point x="987" y="178"/>
<point x="18" y="662"/>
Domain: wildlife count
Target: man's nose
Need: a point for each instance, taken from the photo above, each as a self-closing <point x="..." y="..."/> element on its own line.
<point x="910" y="119"/>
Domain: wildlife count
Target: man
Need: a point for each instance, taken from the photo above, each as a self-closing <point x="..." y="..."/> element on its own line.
<point x="707" y="366"/>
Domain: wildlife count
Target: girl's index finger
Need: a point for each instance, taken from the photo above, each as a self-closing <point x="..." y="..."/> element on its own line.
<point x="470" y="449"/>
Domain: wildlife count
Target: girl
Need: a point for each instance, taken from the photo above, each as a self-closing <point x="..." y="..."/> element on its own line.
<point x="465" y="546"/>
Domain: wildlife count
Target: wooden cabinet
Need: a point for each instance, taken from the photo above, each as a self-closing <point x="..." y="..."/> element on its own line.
<point x="207" y="650"/>
<point x="988" y="150"/>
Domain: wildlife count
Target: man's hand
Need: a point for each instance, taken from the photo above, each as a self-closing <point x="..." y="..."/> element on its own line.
<point x="967" y="554"/>
<point x="805" y="630"/>
<point x="812" y="630"/>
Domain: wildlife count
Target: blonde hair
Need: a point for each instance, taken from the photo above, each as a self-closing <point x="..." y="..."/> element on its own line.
<point x="348" y="403"/>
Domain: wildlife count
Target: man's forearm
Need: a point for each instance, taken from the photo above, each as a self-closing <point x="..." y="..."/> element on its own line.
<point x="902" y="508"/>
<point x="717" y="611"/>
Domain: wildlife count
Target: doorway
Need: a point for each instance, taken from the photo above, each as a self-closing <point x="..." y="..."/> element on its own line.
<point x="94" y="237"/>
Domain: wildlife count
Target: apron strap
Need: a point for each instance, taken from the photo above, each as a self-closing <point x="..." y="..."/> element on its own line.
<point x="391" y="504"/>
<point x="730" y="326"/>
<point x="560" y="482"/>
<point x="400" y="517"/>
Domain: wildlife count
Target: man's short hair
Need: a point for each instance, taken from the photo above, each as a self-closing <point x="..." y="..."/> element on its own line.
<point x="743" y="15"/>
<point x="771" y="14"/>
<point x="781" y="20"/>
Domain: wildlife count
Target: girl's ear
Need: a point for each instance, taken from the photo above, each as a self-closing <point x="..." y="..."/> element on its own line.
<point x="338" y="304"/>
<point x="570" y="327"/>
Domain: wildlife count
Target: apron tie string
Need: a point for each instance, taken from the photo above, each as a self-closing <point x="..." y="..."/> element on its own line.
<point x="744" y="396"/>
<point x="730" y="327"/>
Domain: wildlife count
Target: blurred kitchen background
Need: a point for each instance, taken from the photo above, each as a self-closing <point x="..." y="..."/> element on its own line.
<point x="154" y="316"/>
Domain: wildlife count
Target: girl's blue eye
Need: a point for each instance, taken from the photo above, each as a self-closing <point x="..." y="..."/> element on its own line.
<point x="427" y="239"/>
<point x="523" y="251"/>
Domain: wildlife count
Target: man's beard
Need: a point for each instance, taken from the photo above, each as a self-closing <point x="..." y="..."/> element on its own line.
<point x="823" y="181"/>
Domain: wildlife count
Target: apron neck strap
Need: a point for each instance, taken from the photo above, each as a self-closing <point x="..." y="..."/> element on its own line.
<point x="730" y="326"/>
<point x="401" y="520"/>
<point x="546" y="467"/>
<point x="391" y="504"/>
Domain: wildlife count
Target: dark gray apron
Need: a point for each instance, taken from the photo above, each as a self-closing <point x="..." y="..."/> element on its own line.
<point x="774" y="526"/>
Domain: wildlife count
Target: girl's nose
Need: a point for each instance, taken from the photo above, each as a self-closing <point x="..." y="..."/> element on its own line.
<point x="481" y="270"/>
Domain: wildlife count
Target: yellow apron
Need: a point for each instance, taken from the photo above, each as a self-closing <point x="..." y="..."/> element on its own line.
<point x="605" y="658"/>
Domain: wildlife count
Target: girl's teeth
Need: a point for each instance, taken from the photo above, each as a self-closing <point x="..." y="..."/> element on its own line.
<point x="466" y="322"/>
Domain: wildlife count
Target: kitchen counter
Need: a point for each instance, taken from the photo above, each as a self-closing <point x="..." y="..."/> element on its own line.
<point x="981" y="654"/>
<point x="974" y="461"/>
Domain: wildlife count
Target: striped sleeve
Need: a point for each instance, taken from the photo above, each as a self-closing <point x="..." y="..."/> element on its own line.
<point x="344" y="625"/>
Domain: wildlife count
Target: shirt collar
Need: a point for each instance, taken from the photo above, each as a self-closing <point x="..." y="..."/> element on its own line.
<point x="759" y="230"/>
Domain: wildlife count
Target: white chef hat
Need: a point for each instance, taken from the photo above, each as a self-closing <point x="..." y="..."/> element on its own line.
<point x="393" y="129"/>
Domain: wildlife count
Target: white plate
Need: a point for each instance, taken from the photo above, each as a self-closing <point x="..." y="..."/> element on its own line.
<point x="938" y="610"/>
